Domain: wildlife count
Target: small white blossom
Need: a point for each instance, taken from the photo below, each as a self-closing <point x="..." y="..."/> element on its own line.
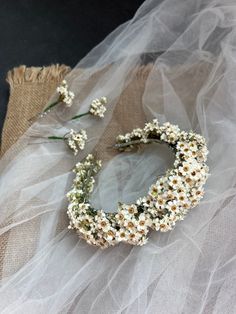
<point x="76" y="140"/>
<point x="175" y="181"/>
<point x="185" y="168"/>
<point x="103" y="224"/>
<point x="143" y="222"/>
<point x="97" y="107"/>
<point x="65" y="95"/>
<point x="173" y="206"/>
<point x="122" y="234"/>
<point x="166" y="224"/>
<point x="151" y="126"/>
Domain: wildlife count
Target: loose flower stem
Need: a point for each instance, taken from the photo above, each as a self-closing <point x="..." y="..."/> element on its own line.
<point x="56" y="138"/>
<point x="51" y="105"/>
<point x="41" y="114"/>
<point x="80" y="115"/>
<point x="121" y="145"/>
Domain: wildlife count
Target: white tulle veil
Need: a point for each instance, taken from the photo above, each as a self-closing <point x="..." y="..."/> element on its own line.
<point x="176" y="62"/>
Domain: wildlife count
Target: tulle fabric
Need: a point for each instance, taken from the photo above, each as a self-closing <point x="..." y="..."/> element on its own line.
<point x="183" y="53"/>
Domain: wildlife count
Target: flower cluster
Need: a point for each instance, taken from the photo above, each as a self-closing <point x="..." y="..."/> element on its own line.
<point x="97" y="107"/>
<point x="97" y="227"/>
<point x="65" y="95"/>
<point x="168" y="200"/>
<point x="76" y="140"/>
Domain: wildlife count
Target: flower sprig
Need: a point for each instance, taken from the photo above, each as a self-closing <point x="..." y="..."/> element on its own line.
<point x="97" y="108"/>
<point x="168" y="200"/>
<point x="65" y="96"/>
<point x="75" y="140"/>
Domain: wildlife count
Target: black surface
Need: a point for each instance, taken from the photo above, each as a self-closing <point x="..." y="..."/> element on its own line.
<point x="42" y="32"/>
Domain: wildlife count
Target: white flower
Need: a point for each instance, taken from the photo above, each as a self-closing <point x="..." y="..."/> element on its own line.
<point x="151" y="126"/>
<point x="120" y="217"/>
<point x="110" y="235"/>
<point x="182" y="197"/>
<point x="131" y="209"/>
<point x="160" y="202"/>
<point x="175" y="182"/>
<point x="97" y="107"/>
<point x="173" y="206"/>
<point x="165" y="224"/>
<point x="76" y="140"/>
<point x="142" y="241"/>
<point x="83" y="207"/>
<point x="148" y="202"/>
<point x="130" y="224"/>
<point x="127" y="211"/>
<point x="185" y="168"/>
<point x="193" y="146"/>
<point x="153" y="191"/>
<point x="188" y="181"/>
<point x="122" y="235"/>
<point x="134" y="237"/>
<point x="66" y="96"/>
<point x="137" y="133"/>
<point x="172" y="137"/>
<point x="103" y="224"/>
<point x="186" y="205"/>
<point x="197" y="193"/>
<point x="180" y="145"/>
<point x="140" y="201"/>
<point x="155" y="223"/>
<point x="195" y="174"/>
<point x="143" y="222"/>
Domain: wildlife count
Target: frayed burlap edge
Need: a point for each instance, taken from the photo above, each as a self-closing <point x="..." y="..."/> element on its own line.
<point x="49" y="74"/>
<point x="30" y="90"/>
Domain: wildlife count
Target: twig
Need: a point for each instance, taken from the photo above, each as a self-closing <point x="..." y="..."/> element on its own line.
<point x="148" y="141"/>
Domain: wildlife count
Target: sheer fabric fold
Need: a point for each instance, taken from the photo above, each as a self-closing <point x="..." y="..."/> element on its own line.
<point x="175" y="62"/>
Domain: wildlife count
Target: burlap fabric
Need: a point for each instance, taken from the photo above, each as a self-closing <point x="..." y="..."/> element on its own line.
<point x="28" y="98"/>
<point x="30" y="89"/>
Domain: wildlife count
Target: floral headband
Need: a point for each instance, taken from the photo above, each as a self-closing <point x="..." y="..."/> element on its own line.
<point x="168" y="199"/>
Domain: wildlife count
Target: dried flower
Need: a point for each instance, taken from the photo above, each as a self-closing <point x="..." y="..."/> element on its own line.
<point x="169" y="198"/>
<point x="97" y="107"/>
<point x="76" y="140"/>
<point x="65" y="95"/>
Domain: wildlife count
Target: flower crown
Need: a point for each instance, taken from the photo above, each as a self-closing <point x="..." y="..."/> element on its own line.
<point x="168" y="200"/>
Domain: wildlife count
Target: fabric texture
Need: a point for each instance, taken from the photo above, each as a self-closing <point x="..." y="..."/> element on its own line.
<point x="30" y="90"/>
<point x="174" y="62"/>
<point x="123" y="119"/>
<point x="27" y="90"/>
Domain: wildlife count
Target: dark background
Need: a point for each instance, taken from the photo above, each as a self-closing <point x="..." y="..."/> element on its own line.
<point x="43" y="32"/>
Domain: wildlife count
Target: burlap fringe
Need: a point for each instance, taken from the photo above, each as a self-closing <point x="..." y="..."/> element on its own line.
<point x="23" y="81"/>
<point x="20" y="110"/>
<point x="23" y="74"/>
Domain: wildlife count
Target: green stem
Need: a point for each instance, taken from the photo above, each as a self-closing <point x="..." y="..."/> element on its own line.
<point x="55" y="138"/>
<point x="80" y="115"/>
<point x="51" y="105"/>
<point x="151" y="140"/>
